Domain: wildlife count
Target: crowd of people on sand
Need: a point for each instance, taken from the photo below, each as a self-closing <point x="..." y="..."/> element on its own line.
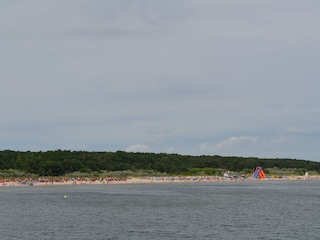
<point x="58" y="180"/>
<point x="48" y="181"/>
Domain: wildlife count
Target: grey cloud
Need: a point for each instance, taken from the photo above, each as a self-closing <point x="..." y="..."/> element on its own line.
<point x="105" y="33"/>
<point x="167" y="74"/>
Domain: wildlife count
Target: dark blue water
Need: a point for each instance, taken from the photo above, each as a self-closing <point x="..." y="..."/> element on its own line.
<point x="221" y="210"/>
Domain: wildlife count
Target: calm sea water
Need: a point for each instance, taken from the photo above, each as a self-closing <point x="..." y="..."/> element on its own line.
<point x="221" y="210"/>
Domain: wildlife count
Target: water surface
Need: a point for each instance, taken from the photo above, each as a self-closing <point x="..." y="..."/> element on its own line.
<point x="218" y="210"/>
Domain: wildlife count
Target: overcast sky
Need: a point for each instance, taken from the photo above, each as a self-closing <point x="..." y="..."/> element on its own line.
<point x="212" y="77"/>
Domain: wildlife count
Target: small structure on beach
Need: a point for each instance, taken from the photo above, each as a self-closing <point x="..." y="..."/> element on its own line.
<point x="259" y="173"/>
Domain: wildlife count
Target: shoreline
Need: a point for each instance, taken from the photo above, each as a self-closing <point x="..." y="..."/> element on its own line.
<point x="136" y="180"/>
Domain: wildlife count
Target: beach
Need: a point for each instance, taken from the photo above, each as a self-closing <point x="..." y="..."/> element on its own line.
<point x="135" y="180"/>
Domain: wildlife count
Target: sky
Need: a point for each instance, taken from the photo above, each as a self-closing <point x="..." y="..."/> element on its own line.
<point x="204" y="77"/>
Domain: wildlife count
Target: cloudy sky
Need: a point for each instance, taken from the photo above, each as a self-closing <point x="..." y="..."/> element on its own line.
<point x="213" y="77"/>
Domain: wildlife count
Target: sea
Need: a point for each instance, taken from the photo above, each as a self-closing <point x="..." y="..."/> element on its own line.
<point x="211" y="210"/>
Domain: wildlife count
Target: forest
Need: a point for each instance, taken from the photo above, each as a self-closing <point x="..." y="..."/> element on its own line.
<point x="62" y="162"/>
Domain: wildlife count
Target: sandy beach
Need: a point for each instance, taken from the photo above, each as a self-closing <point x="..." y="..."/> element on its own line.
<point x="134" y="180"/>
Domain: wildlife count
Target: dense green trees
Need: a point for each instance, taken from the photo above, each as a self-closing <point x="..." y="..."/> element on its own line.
<point x="54" y="163"/>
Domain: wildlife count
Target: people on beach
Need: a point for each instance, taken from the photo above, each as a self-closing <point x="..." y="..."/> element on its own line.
<point x="50" y="181"/>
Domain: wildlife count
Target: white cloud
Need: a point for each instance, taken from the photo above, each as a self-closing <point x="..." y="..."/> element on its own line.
<point x="279" y="140"/>
<point x="170" y="150"/>
<point x="229" y="143"/>
<point x="316" y="112"/>
<point x="137" y="148"/>
<point x="294" y="130"/>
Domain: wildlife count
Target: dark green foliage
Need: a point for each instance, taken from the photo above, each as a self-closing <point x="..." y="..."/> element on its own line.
<point x="54" y="163"/>
<point x="202" y="171"/>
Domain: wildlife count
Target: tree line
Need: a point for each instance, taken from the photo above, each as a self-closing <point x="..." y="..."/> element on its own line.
<point x="62" y="162"/>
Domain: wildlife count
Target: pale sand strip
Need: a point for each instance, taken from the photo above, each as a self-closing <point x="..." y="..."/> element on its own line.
<point x="132" y="180"/>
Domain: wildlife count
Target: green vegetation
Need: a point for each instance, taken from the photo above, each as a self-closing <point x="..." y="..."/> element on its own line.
<point x="81" y="163"/>
<point x="288" y="171"/>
